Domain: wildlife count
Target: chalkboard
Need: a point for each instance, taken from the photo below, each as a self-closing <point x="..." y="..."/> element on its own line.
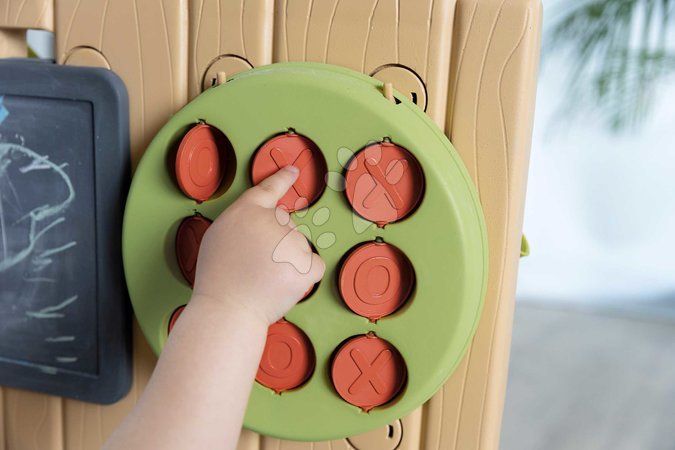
<point x="64" y="167"/>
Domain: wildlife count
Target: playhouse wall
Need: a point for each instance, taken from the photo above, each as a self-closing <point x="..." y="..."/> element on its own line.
<point x="477" y="61"/>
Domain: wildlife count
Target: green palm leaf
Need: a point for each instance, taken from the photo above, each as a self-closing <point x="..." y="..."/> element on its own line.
<point x="620" y="53"/>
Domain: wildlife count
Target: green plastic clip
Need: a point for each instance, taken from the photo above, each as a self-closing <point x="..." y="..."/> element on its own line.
<point x="524" y="247"/>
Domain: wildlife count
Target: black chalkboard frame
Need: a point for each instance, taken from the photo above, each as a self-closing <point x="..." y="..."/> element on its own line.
<point x="110" y="109"/>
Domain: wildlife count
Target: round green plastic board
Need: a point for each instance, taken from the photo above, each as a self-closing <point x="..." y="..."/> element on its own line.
<point x="341" y="111"/>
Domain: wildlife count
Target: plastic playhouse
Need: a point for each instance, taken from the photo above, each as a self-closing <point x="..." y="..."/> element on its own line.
<point x="410" y="122"/>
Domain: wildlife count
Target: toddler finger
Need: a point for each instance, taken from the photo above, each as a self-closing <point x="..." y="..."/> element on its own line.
<point x="317" y="268"/>
<point x="283" y="217"/>
<point x="269" y="191"/>
<point x="298" y="239"/>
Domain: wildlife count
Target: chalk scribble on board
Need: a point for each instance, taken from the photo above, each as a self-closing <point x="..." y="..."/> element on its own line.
<point x="52" y="312"/>
<point x="31" y="225"/>
<point x="47" y="236"/>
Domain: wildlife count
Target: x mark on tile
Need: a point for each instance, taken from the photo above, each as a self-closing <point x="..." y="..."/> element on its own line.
<point x="386" y="181"/>
<point x="369" y="372"/>
<point x="303" y="159"/>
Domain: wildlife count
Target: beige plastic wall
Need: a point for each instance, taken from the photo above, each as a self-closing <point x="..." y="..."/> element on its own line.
<point x="18" y="15"/>
<point x="471" y="63"/>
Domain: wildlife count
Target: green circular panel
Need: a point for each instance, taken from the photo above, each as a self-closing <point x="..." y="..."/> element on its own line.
<point x="341" y="111"/>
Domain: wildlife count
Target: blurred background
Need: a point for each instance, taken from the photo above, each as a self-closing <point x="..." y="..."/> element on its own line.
<point x="593" y="356"/>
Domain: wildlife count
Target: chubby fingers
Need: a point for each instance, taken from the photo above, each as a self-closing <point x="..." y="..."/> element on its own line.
<point x="316" y="269"/>
<point x="294" y="249"/>
<point x="269" y="191"/>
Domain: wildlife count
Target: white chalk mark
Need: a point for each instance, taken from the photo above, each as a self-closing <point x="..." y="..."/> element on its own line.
<point x="60" y="339"/>
<point x="38" y="162"/>
<point x="40" y="264"/>
<point x="33" y="239"/>
<point x="66" y="359"/>
<point x="39" y="280"/>
<point x="48" y="227"/>
<point x="48" y="370"/>
<point x="42" y="260"/>
<point x="56" y="250"/>
<point x="51" y="312"/>
<point x="17" y="200"/>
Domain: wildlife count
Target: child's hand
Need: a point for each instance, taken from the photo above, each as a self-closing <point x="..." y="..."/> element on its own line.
<point x="251" y="258"/>
<point x="252" y="268"/>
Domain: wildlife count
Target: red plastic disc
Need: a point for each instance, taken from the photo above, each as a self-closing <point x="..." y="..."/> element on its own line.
<point x="174" y="317"/>
<point x="368" y="371"/>
<point x="292" y="149"/>
<point x="288" y="359"/>
<point x="200" y="162"/>
<point x="188" y="239"/>
<point x="384" y="183"/>
<point x="376" y="279"/>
